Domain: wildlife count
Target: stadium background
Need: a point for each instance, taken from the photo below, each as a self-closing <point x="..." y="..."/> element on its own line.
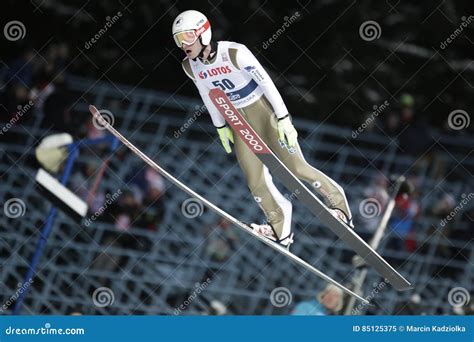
<point x="145" y="251"/>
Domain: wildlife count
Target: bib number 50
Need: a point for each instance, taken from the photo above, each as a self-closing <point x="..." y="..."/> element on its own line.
<point x="224" y="84"/>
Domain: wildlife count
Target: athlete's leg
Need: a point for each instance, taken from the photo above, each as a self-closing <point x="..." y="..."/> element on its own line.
<point x="265" y="123"/>
<point x="276" y="207"/>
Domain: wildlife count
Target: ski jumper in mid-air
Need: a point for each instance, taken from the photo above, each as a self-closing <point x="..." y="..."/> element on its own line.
<point x="233" y="68"/>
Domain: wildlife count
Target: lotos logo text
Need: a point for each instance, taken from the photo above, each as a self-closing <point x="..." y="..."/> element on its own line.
<point x="215" y="72"/>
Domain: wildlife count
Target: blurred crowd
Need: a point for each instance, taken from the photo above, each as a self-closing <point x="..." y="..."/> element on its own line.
<point x="40" y="78"/>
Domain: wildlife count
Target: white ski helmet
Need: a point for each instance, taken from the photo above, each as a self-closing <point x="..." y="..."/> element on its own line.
<point x="189" y="26"/>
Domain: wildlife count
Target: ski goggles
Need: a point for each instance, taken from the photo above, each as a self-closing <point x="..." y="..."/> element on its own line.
<point x="188" y="37"/>
<point x="185" y="37"/>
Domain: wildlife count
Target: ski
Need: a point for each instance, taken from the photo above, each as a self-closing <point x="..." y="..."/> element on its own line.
<point x="218" y="210"/>
<point x="243" y="129"/>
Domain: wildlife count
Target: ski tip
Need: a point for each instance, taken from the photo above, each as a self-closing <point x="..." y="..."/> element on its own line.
<point x="399" y="283"/>
<point x="93" y="110"/>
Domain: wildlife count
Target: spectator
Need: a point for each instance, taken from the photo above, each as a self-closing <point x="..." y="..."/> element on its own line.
<point x="16" y="95"/>
<point x="142" y="179"/>
<point x="124" y="212"/>
<point x="327" y="302"/>
<point x="443" y="206"/>
<point x="153" y="210"/>
<point x="21" y="70"/>
<point x="392" y="124"/>
<point x="406" y="210"/>
<point x="82" y="181"/>
<point x="416" y="139"/>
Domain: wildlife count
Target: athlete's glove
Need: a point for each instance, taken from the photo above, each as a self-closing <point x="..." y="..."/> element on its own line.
<point x="226" y="135"/>
<point x="287" y="133"/>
